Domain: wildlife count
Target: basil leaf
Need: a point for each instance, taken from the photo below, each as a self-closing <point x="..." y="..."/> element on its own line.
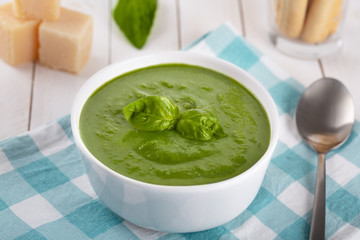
<point x="153" y="113"/>
<point x="135" y="19"/>
<point x="199" y="125"/>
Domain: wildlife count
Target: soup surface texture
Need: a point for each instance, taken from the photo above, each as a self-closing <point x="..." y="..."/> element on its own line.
<point x="165" y="157"/>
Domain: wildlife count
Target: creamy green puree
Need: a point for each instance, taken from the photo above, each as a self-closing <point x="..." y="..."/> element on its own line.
<point x="165" y="157"/>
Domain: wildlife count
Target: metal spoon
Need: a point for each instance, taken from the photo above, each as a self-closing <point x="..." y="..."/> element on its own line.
<point x="324" y="117"/>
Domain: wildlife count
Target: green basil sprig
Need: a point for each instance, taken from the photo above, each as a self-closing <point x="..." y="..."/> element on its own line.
<point x="135" y="19"/>
<point x="153" y="113"/>
<point x="156" y="113"/>
<point x="199" y="125"/>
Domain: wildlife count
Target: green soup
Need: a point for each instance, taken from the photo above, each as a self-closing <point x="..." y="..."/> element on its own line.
<point x="164" y="157"/>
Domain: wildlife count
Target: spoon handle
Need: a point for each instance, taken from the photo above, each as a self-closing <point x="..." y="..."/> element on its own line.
<point x="317" y="231"/>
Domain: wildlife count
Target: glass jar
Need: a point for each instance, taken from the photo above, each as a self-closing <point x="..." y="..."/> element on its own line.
<point x="307" y="28"/>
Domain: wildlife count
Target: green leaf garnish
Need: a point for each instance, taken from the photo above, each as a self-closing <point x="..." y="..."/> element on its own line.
<point x="135" y="19"/>
<point x="153" y="113"/>
<point x="199" y="125"/>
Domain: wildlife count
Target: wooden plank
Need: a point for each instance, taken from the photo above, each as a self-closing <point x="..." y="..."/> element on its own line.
<point x="256" y="26"/>
<point x="54" y="91"/>
<point x="201" y="16"/>
<point x="15" y="89"/>
<point x="163" y="35"/>
<point x="345" y="64"/>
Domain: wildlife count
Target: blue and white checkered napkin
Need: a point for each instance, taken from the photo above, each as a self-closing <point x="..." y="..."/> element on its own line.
<point x="45" y="193"/>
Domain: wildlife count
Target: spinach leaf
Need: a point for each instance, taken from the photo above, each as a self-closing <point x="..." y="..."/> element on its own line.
<point x="153" y="113"/>
<point x="199" y="125"/>
<point x="135" y="19"/>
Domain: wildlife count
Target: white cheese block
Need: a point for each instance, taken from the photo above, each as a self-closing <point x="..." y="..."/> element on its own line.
<point x="66" y="44"/>
<point x="18" y="37"/>
<point x="37" y="9"/>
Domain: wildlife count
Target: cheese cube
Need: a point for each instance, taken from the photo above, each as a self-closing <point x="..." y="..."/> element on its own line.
<point x="37" y="9"/>
<point x="66" y="44"/>
<point x="18" y="38"/>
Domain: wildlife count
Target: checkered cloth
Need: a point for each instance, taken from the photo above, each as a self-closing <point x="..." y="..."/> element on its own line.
<point x="45" y="192"/>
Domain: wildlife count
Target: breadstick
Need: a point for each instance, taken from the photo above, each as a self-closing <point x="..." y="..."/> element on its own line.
<point x="335" y="16"/>
<point x="290" y="16"/>
<point x="316" y="26"/>
<point x="279" y="6"/>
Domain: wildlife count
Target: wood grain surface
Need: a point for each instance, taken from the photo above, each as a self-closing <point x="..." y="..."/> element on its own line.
<point x="32" y="95"/>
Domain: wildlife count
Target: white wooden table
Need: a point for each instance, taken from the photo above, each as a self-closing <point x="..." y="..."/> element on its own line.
<point x="31" y="95"/>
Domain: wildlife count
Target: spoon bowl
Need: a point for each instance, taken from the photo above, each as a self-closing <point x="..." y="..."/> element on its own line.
<point x="325" y="114"/>
<point x="325" y="117"/>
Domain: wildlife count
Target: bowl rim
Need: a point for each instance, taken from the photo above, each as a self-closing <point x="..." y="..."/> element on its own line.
<point x="175" y="57"/>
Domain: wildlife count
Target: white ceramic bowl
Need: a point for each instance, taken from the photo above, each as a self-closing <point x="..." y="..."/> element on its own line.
<point x="175" y="208"/>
